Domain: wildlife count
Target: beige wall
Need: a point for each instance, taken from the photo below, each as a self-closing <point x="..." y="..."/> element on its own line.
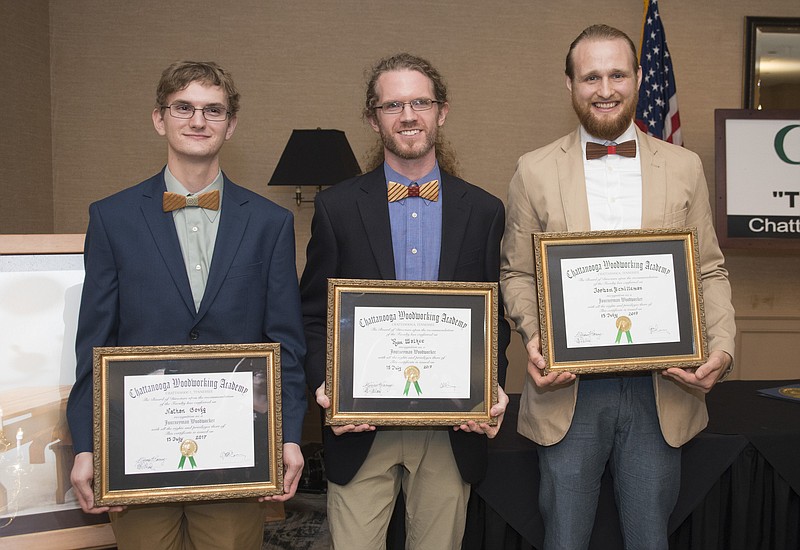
<point x="26" y="164"/>
<point x="301" y="65"/>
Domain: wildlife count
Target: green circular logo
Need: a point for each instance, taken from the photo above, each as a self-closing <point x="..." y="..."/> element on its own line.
<point x="779" y="148"/>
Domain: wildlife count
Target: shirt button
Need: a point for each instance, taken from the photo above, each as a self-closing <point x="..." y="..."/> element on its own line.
<point x="413" y="250"/>
<point x="194" y="335"/>
<point x="197" y="267"/>
<point x="413" y="214"/>
<point x="195" y="229"/>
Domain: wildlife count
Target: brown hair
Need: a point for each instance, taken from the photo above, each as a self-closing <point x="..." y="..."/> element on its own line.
<point x="599" y="32"/>
<point x="401" y="62"/>
<point x="180" y="74"/>
<point x="445" y="154"/>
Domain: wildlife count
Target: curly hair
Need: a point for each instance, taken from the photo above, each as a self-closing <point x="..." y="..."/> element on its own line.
<point x="445" y="154"/>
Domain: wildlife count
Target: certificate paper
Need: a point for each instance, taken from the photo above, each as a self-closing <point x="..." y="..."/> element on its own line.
<point x="188" y="421"/>
<point x="417" y="353"/>
<point x="620" y="300"/>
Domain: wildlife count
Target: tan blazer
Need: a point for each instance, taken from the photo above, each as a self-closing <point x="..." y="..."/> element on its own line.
<point x="548" y="193"/>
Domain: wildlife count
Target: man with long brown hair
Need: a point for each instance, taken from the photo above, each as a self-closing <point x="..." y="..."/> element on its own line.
<point x="408" y="218"/>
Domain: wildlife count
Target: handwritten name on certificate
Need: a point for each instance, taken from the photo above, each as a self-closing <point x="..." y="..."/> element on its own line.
<point x="620" y="300"/>
<point x="416" y="353"/>
<point x="188" y="421"/>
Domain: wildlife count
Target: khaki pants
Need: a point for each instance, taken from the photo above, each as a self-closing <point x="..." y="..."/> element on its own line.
<point x="422" y="463"/>
<point x="233" y="525"/>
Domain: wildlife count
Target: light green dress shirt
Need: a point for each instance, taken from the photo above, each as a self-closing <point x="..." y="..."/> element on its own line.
<point x="197" y="233"/>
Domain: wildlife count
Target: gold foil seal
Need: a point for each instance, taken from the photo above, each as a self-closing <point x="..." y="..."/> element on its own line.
<point x="794" y="393"/>
<point x="623" y="323"/>
<point x="188" y="447"/>
<point x="411" y="373"/>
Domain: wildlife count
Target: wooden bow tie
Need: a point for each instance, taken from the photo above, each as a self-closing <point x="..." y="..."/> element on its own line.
<point x="428" y="191"/>
<point x="176" y="201"/>
<point x="596" y="150"/>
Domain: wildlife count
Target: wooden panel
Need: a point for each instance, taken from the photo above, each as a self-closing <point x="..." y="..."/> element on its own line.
<point x="767" y="348"/>
<point x="70" y="243"/>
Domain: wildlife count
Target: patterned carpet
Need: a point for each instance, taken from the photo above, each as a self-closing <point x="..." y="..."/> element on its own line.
<point x="305" y="526"/>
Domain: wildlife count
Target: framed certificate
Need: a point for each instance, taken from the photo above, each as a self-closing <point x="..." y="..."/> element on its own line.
<point x="620" y="300"/>
<point x="413" y="353"/>
<point x="183" y="423"/>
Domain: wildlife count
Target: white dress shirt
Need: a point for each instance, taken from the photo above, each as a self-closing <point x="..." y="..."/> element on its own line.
<point x="613" y="186"/>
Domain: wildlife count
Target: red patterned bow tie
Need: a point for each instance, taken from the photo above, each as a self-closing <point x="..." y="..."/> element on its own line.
<point x="176" y="201"/>
<point x="625" y="149"/>
<point x="428" y="191"/>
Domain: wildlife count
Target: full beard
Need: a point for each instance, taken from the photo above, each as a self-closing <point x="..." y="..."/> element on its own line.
<point x="392" y="144"/>
<point x="609" y="129"/>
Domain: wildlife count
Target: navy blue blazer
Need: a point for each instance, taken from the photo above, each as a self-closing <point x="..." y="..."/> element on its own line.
<point x="351" y="238"/>
<point x="136" y="291"/>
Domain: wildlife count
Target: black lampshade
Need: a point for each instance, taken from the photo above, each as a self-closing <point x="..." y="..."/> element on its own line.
<point x="315" y="157"/>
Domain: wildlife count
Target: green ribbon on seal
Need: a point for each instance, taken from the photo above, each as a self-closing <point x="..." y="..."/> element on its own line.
<point x="412" y="375"/>
<point x="623" y="324"/>
<point x="188" y="448"/>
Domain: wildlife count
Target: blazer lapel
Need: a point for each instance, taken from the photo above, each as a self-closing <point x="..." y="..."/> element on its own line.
<point x="572" y="181"/>
<point x="654" y="182"/>
<point x="232" y="223"/>
<point x="373" y="208"/>
<point x="162" y="228"/>
<point x="455" y="216"/>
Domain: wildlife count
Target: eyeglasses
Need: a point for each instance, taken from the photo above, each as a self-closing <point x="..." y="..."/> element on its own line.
<point x="213" y="113"/>
<point x="396" y="107"/>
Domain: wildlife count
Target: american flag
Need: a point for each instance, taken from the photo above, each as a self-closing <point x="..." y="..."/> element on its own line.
<point x="657" y="110"/>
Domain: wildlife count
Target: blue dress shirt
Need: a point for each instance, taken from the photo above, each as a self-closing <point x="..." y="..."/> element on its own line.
<point x="416" y="230"/>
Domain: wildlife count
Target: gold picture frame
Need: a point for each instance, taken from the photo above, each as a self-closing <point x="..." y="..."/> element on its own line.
<point x="771" y="76"/>
<point x="176" y="423"/>
<point x="411" y="353"/>
<point x="613" y="301"/>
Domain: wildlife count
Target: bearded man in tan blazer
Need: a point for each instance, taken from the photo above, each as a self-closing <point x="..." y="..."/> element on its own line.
<point x="635" y="422"/>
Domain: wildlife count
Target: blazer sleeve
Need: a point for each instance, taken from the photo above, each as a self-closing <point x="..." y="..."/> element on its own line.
<point x="321" y="263"/>
<point x="492" y="269"/>
<point x="283" y="323"/>
<point x="517" y="270"/>
<point x="97" y="326"/>
<point x="720" y="323"/>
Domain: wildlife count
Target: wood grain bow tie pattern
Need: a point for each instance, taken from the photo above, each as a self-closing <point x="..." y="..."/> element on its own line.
<point x="597" y="150"/>
<point x="176" y="201"/>
<point x="428" y="191"/>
